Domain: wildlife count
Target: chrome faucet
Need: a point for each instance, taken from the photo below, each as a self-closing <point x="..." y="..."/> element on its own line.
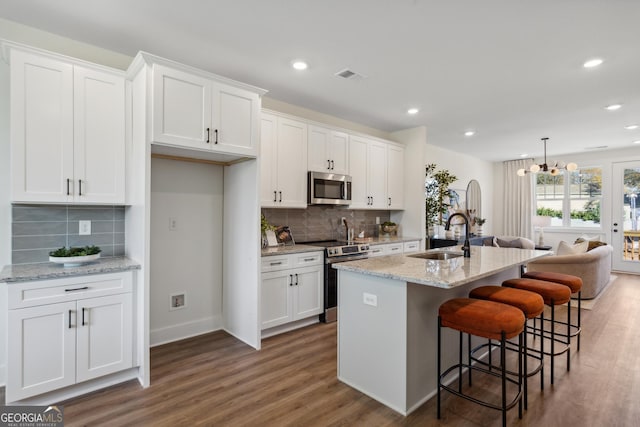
<point x="466" y="249"/>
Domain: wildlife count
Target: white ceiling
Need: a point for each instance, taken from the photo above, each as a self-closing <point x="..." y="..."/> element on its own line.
<point x="509" y="69"/>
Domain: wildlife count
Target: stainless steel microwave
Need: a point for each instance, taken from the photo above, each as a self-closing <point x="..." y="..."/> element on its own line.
<point x="329" y="189"/>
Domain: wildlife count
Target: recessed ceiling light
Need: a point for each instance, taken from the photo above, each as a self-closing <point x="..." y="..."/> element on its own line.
<point x="299" y="65"/>
<point x="613" y="107"/>
<point x="631" y="127"/>
<point x="412" y="111"/>
<point x="470" y="133"/>
<point x="523" y="155"/>
<point x="592" y="63"/>
<point x="636" y="141"/>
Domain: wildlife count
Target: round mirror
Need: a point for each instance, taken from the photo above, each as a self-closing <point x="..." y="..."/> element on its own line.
<point x="474" y="199"/>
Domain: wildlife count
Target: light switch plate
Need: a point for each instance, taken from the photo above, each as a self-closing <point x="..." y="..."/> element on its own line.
<point x="84" y="228"/>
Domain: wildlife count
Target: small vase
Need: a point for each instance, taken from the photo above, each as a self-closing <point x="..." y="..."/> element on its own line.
<point x="479" y="230"/>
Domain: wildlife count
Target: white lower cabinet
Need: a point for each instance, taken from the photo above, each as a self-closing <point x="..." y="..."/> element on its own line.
<point x="51" y="344"/>
<point x="394" y="248"/>
<point x="290" y="294"/>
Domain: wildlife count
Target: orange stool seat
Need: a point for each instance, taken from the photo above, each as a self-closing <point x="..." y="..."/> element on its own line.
<point x="552" y="293"/>
<point x="573" y="282"/>
<point x="486" y="319"/>
<point x="530" y="303"/>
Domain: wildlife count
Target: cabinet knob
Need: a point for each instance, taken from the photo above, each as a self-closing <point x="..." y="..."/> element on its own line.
<point x="291" y="280"/>
<point x="69" y="319"/>
<point x="280" y="193"/>
<point x="331" y="164"/>
<point x="208" y="130"/>
<point x="275" y="196"/>
<point x="216" y="132"/>
<point x="79" y="187"/>
<point x="68" y="193"/>
<point x="328" y="164"/>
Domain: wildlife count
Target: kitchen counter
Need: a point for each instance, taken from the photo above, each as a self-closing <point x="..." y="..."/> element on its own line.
<point x="484" y="261"/>
<point x="388" y="316"/>
<point x="392" y="239"/>
<point x="49" y="270"/>
<point x="286" y="250"/>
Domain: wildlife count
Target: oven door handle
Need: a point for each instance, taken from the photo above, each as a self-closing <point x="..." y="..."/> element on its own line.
<point x="347" y="258"/>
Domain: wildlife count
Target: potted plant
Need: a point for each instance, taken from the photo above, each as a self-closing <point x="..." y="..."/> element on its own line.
<point x="74" y="256"/>
<point x="264" y="226"/>
<point x="436" y="187"/>
<point x="479" y="222"/>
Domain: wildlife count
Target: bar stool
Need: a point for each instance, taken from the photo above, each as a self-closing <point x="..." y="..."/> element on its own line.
<point x="573" y="282"/>
<point x="532" y="306"/>
<point x="553" y="294"/>
<point x="487" y="319"/>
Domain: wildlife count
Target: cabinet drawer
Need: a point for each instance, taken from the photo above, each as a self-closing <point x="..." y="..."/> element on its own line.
<point x="377" y="250"/>
<point x="275" y="263"/>
<point x="308" y="258"/>
<point x="393" y="249"/>
<point x="29" y="294"/>
<point x="411" y="246"/>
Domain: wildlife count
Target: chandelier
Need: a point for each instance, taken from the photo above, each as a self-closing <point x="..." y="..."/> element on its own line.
<point x="553" y="169"/>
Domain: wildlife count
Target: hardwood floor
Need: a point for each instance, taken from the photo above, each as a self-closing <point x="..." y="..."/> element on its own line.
<point x="216" y="380"/>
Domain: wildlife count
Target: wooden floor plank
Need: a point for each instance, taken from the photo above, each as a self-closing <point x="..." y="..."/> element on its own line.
<point x="216" y="380"/>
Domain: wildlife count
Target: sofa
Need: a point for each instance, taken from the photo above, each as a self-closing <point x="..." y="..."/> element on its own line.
<point x="593" y="267"/>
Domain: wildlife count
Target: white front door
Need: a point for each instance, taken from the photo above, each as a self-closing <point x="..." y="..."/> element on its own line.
<point x="625" y="230"/>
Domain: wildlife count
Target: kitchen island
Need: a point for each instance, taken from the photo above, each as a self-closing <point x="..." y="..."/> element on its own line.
<point x="387" y="318"/>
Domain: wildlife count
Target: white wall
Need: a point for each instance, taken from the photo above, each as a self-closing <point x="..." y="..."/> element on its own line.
<point x="188" y="259"/>
<point x="466" y="168"/>
<point x="604" y="159"/>
<point x="5" y="206"/>
<point x="37" y="38"/>
<point x="283" y="107"/>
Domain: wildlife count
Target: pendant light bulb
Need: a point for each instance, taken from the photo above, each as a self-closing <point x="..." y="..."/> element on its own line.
<point x="554" y="171"/>
<point x="521" y="172"/>
<point x="572" y="167"/>
<point x="534" y="168"/>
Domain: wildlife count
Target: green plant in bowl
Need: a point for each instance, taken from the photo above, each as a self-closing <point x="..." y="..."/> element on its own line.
<point x="65" y="252"/>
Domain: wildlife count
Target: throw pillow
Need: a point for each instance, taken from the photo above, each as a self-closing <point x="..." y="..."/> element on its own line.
<point x="594" y="244"/>
<point x="515" y="243"/>
<point x="587" y="238"/>
<point x="565" y="248"/>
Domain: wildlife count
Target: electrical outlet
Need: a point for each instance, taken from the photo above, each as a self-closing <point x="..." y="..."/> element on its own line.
<point x="84" y="228"/>
<point x="177" y="301"/>
<point x="370" y="299"/>
<point x="173" y="224"/>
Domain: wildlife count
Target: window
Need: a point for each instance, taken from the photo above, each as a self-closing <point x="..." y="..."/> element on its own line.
<point x="571" y="199"/>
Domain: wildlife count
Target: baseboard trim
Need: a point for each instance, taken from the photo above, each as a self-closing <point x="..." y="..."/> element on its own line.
<point x="184" y="330"/>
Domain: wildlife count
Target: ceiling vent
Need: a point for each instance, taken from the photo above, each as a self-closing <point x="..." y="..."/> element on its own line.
<point x="350" y="74"/>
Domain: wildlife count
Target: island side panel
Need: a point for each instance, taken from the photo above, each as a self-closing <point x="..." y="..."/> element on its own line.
<point x="422" y="329"/>
<point x="372" y="340"/>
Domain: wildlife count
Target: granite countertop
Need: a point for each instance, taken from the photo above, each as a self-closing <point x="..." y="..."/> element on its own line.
<point x="298" y="248"/>
<point x="392" y="239"/>
<point x="49" y="270"/>
<point x="287" y="250"/>
<point x="484" y="261"/>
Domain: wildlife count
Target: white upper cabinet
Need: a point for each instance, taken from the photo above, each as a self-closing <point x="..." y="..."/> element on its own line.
<point x="376" y="170"/>
<point x="67" y="131"/>
<point x="194" y="110"/>
<point x="328" y="150"/>
<point x="181" y="108"/>
<point x="395" y="177"/>
<point x="283" y="162"/>
<point x="368" y="169"/>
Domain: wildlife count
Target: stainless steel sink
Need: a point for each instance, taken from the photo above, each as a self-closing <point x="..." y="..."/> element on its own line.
<point x="437" y="255"/>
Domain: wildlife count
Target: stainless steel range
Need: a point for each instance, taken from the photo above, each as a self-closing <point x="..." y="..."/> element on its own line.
<point x="336" y="251"/>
